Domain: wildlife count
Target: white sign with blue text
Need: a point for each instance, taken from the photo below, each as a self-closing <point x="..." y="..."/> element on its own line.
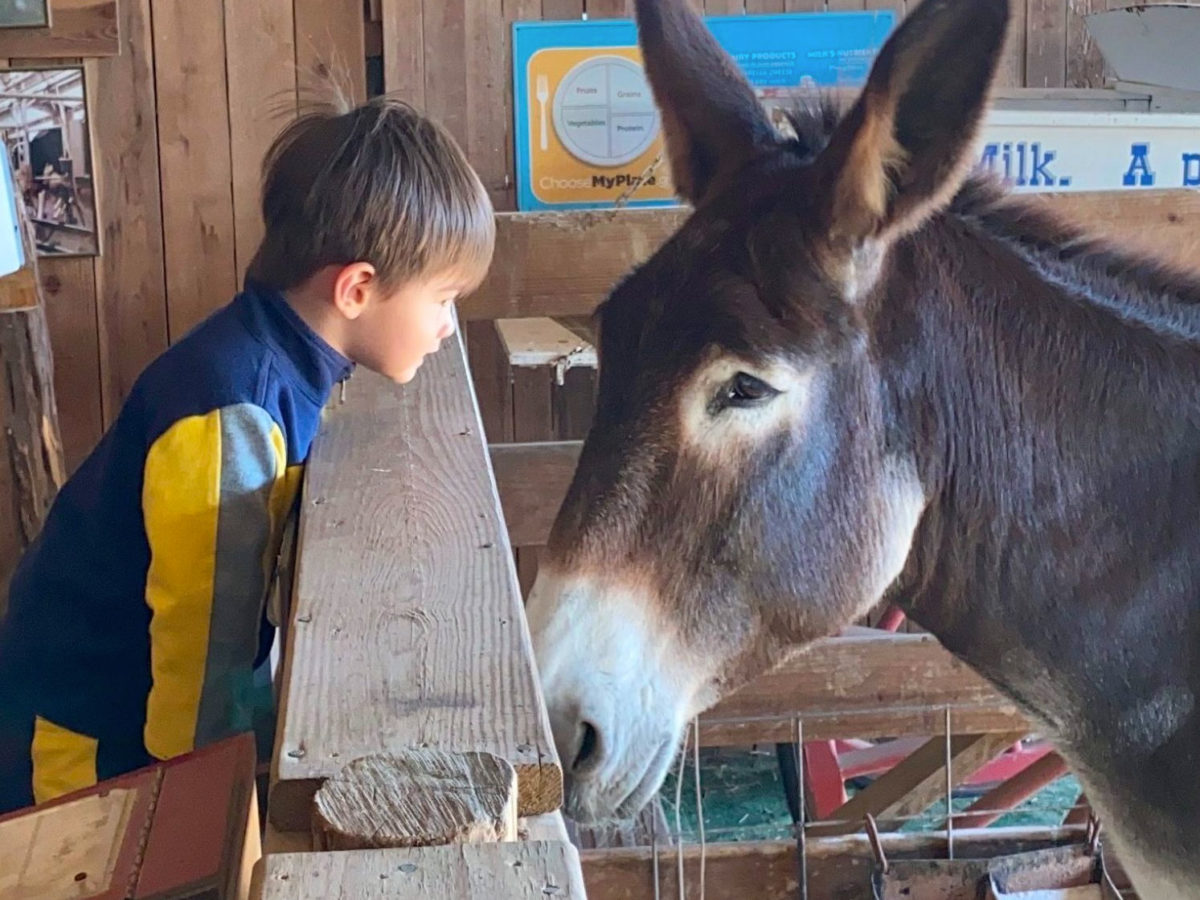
<point x="1044" y="151"/>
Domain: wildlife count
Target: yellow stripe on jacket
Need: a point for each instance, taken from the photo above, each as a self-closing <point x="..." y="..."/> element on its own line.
<point x="63" y="761"/>
<point x="210" y="500"/>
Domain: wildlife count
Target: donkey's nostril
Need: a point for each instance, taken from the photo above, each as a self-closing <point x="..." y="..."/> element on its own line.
<point x="587" y="748"/>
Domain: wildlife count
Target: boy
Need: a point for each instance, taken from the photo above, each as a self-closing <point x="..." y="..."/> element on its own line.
<point x="137" y="617"/>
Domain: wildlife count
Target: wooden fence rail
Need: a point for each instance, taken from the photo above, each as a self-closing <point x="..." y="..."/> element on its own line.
<point x="406" y="631"/>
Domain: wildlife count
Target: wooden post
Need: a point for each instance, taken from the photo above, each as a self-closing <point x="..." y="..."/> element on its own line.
<point x="30" y="414"/>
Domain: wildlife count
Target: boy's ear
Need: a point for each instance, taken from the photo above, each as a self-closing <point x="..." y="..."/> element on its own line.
<point x="905" y="147"/>
<point x="352" y="286"/>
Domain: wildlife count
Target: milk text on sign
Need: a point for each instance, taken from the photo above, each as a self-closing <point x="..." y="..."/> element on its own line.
<point x="1050" y="151"/>
<point x="1023" y="164"/>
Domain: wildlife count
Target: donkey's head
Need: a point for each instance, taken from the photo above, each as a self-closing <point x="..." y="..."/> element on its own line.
<point x="747" y="485"/>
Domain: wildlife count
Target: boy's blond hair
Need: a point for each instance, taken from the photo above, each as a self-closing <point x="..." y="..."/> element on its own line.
<point x="379" y="183"/>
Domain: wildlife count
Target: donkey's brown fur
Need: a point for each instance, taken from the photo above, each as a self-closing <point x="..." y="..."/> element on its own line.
<point x="855" y="374"/>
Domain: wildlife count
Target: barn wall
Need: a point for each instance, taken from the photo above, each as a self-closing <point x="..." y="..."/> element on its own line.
<point x="181" y="118"/>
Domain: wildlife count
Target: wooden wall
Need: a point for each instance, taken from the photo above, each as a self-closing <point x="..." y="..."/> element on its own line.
<point x="181" y="118"/>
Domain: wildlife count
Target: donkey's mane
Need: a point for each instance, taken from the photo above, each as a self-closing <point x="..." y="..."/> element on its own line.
<point x="1167" y="297"/>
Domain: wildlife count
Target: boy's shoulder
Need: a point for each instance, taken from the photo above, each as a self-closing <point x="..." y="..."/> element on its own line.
<point x="254" y="350"/>
<point x="219" y="362"/>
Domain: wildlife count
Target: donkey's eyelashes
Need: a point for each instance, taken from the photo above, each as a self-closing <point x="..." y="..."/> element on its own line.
<point x="742" y="391"/>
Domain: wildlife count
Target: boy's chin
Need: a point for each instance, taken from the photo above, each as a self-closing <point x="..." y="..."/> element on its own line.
<point x="404" y="376"/>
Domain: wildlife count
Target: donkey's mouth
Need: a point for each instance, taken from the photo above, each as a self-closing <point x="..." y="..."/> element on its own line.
<point x="592" y="800"/>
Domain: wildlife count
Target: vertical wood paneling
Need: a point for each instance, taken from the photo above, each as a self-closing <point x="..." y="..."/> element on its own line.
<point x="330" y="48"/>
<point x="489" y="93"/>
<point x="130" y="280"/>
<point x="260" y="49"/>
<point x="1085" y="65"/>
<point x="404" y="50"/>
<point x="193" y="147"/>
<point x="69" y="295"/>
<point x="69" y="290"/>
<point x="608" y="9"/>
<point x="764" y="6"/>
<point x="444" y="26"/>
<point x="724" y="7"/>
<point x="1012" y="63"/>
<point x="562" y="9"/>
<point x="1046" y="43"/>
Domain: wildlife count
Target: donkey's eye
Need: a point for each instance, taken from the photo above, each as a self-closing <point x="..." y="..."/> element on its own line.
<point x="743" y="391"/>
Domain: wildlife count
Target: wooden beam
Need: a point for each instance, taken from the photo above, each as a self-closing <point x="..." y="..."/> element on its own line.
<point x="407" y="628"/>
<point x="837" y="867"/>
<point x="464" y="871"/>
<point x="915" y="783"/>
<point x="532" y="274"/>
<point x="865" y="684"/>
<point x="532" y="480"/>
<point x="563" y="264"/>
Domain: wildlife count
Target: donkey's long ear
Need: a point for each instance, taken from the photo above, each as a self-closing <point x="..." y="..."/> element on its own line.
<point x="905" y="147"/>
<point x="712" y="121"/>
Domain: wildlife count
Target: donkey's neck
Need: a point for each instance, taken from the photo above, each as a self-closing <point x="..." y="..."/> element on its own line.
<point x="1058" y="405"/>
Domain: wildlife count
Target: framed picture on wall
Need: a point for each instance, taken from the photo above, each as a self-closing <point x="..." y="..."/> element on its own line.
<point x="24" y="13"/>
<point x="46" y="131"/>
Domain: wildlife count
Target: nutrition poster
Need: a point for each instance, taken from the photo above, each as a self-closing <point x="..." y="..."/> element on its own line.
<point x="587" y="130"/>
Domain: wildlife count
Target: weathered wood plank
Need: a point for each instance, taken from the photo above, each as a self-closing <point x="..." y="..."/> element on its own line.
<point x="28" y="409"/>
<point x="1085" y="65"/>
<point x="331" y="48"/>
<point x="69" y="286"/>
<point x="77" y="28"/>
<point x="260" y="54"/>
<point x="1046" y="43"/>
<point x="562" y="9"/>
<point x="546" y="827"/>
<point x="611" y="9"/>
<point x="532" y="480"/>
<point x="543" y="342"/>
<point x="528" y="277"/>
<point x="404" y="50"/>
<point x="916" y="782"/>
<point x="130" y="276"/>
<point x="518" y="870"/>
<point x="408" y="629"/>
<point x="838" y="867"/>
<point x="1011" y="73"/>
<point x="864" y="684"/>
<point x="193" y="146"/>
<point x="1160" y="224"/>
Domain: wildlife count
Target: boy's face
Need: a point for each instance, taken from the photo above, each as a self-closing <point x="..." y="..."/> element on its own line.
<point x="396" y="331"/>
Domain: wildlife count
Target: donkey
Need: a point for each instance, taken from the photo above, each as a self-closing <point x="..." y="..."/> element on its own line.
<point x="860" y="373"/>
